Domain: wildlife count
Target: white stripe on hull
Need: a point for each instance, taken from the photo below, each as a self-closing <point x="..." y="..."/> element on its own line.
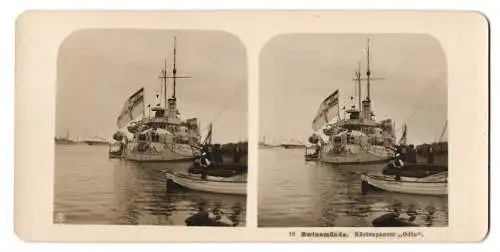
<point x="411" y="187"/>
<point x="378" y="154"/>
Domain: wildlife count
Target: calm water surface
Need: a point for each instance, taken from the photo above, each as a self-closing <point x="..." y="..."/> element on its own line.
<point x="295" y="193"/>
<point x="90" y="188"/>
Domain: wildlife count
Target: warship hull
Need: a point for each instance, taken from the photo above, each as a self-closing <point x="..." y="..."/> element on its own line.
<point x="374" y="154"/>
<point x="160" y="152"/>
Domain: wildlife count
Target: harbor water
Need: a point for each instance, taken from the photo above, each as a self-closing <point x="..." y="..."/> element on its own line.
<point x="90" y="188"/>
<point x="296" y="193"/>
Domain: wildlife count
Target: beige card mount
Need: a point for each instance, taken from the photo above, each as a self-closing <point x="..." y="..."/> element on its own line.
<point x="316" y="126"/>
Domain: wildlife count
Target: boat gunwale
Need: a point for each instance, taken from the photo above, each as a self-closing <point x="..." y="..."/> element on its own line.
<point x="156" y="154"/>
<point x="377" y="177"/>
<point x="159" y="160"/>
<point x="353" y="163"/>
<point x="185" y="176"/>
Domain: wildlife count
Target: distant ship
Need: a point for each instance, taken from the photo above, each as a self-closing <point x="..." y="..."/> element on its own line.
<point x="163" y="136"/>
<point x="292" y="144"/>
<point x="96" y="141"/>
<point x="64" y="140"/>
<point x="264" y="145"/>
<point x="358" y="138"/>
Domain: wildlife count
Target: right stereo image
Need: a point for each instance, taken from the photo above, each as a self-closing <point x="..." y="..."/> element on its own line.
<point x="353" y="131"/>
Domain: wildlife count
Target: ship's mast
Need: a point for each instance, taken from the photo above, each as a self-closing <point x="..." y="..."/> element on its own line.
<point x="368" y="71"/>
<point x="366" y="104"/>
<point x="165" y="82"/>
<point x="163" y="78"/>
<point x="358" y="79"/>
<point x="172" y="101"/>
<point x="174" y="71"/>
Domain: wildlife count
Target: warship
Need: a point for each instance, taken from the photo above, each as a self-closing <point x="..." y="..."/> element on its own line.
<point x="162" y="136"/>
<point x="64" y="140"/>
<point x="356" y="138"/>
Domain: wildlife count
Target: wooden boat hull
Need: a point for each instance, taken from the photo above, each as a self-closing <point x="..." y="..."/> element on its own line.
<point x="405" y="185"/>
<point x="221" y="185"/>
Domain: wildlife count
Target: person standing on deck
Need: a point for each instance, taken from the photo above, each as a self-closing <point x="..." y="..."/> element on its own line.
<point x="236" y="153"/>
<point x="209" y="153"/>
<point x="412" y="155"/>
<point x="404" y="153"/>
<point x="217" y="154"/>
<point x="430" y="156"/>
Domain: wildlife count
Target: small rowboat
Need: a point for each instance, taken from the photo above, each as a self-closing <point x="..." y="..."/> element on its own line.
<point x="115" y="150"/>
<point x="311" y="154"/>
<point x="436" y="184"/>
<point x="226" y="185"/>
<point x="115" y="154"/>
<point x="311" y="157"/>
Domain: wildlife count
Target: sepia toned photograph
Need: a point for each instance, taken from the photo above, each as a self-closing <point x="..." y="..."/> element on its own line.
<point x="141" y="126"/>
<point x="354" y="131"/>
<point x="151" y="128"/>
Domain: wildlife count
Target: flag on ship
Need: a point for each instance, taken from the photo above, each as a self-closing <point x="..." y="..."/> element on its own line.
<point x="132" y="109"/>
<point x="328" y="110"/>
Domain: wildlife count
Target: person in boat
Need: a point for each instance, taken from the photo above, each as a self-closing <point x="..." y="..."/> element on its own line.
<point x="204" y="162"/>
<point x="398" y="162"/>
<point x="206" y="156"/>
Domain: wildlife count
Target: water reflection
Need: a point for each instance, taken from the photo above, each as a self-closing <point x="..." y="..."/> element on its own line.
<point x="92" y="189"/>
<point x="429" y="215"/>
<point x="294" y="193"/>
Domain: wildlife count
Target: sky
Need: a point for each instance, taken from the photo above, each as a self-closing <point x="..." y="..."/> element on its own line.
<point x="99" y="69"/>
<point x="298" y="71"/>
